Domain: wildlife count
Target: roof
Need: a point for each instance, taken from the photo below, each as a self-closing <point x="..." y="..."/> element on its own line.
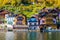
<point x="13" y="15"/>
<point x="53" y="11"/>
<point x="42" y="14"/>
<point x="16" y="15"/>
<point x="33" y="19"/>
<point x="22" y="14"/>
<point x="4" y="12"/>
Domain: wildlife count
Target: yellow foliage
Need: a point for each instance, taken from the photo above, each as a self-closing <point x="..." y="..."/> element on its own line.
<point x="58" y="2"/>
<point x="4" y="2"/>
<point x="1" y="1"/>
<point x="18" y="0"/>
<point x="13" y="2"/>
<point x="32" y="0"/>
<point x="7" y="1"/>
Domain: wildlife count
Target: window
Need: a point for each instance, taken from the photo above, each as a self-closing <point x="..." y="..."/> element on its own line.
<point x="54" y="21"/>
<point x="59" y="16"/>
<point x="32" y="23"/>
<point x="20" y="18"/>
<point x="10" y="22"/>
<point x="37" y="23"/>
<point x="28" y="23"/>
<point x="42" y="21"/>
<point x="19" y="23"/>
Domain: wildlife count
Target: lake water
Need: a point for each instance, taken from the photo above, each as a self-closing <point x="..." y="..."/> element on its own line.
<point x="29" y="36"/>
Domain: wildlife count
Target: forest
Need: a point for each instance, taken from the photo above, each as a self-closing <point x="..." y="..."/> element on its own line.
<point x="28" y="7"/>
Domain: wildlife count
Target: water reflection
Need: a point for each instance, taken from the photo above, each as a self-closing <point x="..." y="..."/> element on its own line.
<point x="32" y="36"/>
<point x="21" y="36"/>
<point x="2" y="36"/>
<point x="52" y="36"/>
<point x="9" y="36"/>
<point x="29" y="36"/>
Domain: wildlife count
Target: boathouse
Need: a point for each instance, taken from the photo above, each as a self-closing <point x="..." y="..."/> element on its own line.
<point x="33" y="23"/>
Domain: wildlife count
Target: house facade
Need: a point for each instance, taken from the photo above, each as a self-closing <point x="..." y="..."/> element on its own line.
<point x="20" y="22"/>
<point x="2" y="16"/>
<point x="48" y="19"/>
<point x="10" y="18"/>
<point x="20" y="19"/>
<point x="33" y="23"/>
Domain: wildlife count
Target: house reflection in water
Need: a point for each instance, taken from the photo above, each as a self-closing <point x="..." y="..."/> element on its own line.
<point x="28" y="36"/>
<point x="21" y="36"/>
<point x="32" y="36"/>
<point x="51" y="36"/>
<point x="2" y="37"/>
<point x="35" y="36"/>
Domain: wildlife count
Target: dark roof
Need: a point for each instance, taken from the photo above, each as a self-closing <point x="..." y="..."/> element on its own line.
<point x="49" y="10"/>
<point x="4" y="11"/>
<point x="53" y="11"/>
<point x="42" y="14"/>
<point x="1" y="10"/>
<point x="15" y="15"/>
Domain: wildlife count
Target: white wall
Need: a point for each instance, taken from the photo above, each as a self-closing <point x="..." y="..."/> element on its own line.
<point x="9" y="19"/>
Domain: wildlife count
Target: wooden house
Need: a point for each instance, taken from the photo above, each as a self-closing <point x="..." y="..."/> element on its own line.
<point x="48" y="18"/>
<point x="20" y="19"/>
<point x="20" y="22"/>
<point x="2" y="15"/>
